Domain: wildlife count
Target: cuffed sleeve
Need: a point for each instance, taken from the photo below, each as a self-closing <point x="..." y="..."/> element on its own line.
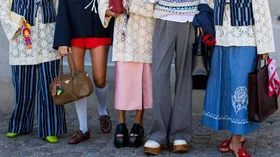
<point x="263" y="27"/>
<point x="11" y="22"/>
<point x="102" y="7"/>
<point x="203" y="1"/>
<point x="210" y="3"/>
<point x="151" y="1"/>
<point x="62" y="36"/>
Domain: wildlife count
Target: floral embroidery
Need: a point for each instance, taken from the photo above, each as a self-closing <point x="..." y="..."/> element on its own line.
<point x="240" y="99"/>
<point x="225" y="117"/>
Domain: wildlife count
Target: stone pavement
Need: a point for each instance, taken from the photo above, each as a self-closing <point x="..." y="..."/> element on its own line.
<point x="262" y="143"/>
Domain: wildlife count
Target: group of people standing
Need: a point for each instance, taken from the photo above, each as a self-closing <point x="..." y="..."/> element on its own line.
<point x="144" y="39"/>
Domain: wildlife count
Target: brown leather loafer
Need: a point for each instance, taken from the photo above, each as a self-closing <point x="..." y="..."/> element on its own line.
<point x="78" y="136"/>
<point x="105" y="123"/>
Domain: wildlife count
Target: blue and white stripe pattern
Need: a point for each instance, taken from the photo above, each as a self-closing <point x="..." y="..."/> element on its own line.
<point x="28" y="9"/>
<point x="31" y="82"/>
<point x="178" y="6"/>
<point x="241" y="12"/>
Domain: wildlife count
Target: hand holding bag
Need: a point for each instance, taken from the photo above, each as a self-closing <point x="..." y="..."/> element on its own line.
<point x="70" y="87"/>
<point x="117" y="6"/>
<point x="261" y="105"/>
<point x="200" y="63"/>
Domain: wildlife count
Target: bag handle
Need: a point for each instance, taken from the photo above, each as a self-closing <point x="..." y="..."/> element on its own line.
<point x="73" y="70"/>
<point x="258" y="62"/>
<point x="199" y="40"/>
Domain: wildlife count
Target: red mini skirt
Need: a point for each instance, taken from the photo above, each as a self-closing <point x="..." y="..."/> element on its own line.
<point x="88" y="43"/>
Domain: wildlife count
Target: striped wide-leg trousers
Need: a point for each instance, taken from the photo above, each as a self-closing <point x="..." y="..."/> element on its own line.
<point x="31" y="84"/>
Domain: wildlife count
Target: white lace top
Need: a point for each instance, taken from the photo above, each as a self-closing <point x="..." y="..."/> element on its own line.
<point x="41" y="37"/>
<point x="259" y="35"/>
<point x="137" y="46"/>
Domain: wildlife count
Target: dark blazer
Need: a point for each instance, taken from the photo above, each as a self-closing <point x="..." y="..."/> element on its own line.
<point x="74" y="21"/>
<point x="205" y="19"/>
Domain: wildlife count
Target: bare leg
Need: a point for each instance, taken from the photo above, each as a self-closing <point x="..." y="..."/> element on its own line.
<point x="78" y="57"/>
<point x="139" y="117"/>
<point x="99" y="57"/>
<point x="121" y="116"/>
<point x="235" y="143"/>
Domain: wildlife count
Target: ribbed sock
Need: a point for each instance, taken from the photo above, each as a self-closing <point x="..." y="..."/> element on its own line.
<point x="102" y="95"/>
<point x="81" y="107"/>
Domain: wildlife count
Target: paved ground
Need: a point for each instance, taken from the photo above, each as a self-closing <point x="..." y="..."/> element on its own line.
<point x="262" y="143"/>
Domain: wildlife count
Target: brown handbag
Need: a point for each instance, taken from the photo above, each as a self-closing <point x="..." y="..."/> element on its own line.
<point x="261" y="105"/>
<point x="117" y="6"/>
<point x="70" y="87"/>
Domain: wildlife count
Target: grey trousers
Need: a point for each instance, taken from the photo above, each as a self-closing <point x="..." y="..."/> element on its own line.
<point x="172" y="122"/>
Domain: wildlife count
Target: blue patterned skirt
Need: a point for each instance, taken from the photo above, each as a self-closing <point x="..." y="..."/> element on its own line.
<point x="226" y="98"/>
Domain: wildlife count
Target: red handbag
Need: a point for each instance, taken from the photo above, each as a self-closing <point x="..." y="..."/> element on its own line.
<point x="117" y="6"/>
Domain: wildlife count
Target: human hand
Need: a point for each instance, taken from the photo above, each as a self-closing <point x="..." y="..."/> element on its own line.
<point x="109" y="12"/>
<point x="64" y="50"/>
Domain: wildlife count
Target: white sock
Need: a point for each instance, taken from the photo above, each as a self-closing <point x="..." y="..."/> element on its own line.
<point x="81" y="108"/>
<point x="102" y="100"/>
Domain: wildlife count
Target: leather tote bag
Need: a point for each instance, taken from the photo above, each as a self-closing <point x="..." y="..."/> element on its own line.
<point x="261" y="105"/>
<point x="200" y="63"/>
<point x="70" y="87"/>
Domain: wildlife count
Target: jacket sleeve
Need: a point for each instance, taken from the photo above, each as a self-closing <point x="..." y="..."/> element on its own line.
<point x="62" y="35"/>
<point x="205" y="19"/>
<point x="11" y="22"/>
<point x="263" y="27"/>
<point x="102" y="7"/>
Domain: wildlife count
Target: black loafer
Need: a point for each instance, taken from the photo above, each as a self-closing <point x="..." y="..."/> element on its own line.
<point x="136" y="139"/>
<point x="121" y="141"/>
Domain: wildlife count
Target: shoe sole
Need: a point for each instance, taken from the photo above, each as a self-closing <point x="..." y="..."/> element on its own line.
<point x="180" y="148"/>
<point x="12" y="136"/>
<point x="51" y="141"/>
<point x="79" y="141"/>
<point x="153" y="151"/>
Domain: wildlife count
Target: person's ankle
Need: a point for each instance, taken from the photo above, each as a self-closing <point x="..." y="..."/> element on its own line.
<point x="102" y="111"/>
<point x="235" y="146"/>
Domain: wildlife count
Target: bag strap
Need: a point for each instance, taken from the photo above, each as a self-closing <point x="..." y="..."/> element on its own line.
<point x="73" y="70"/>
<point x="199" y="40"/>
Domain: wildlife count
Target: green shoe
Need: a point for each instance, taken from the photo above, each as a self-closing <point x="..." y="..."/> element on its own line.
<point x="52" y="139"/>
<point x="11" y="134"/>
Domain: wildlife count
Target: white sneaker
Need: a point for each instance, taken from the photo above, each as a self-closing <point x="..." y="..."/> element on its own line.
<point x="152" y="147"/>
<point x="179" y="142"/>
<point x="152" y="144"/>
<point x="180" y="146"/>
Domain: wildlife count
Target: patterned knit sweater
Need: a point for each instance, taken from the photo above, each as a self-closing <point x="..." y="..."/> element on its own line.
<point x="176" y="7"/>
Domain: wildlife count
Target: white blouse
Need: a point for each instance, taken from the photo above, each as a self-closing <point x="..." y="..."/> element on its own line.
<point x="41" y="37"/>
<point x="259" y="35"/>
